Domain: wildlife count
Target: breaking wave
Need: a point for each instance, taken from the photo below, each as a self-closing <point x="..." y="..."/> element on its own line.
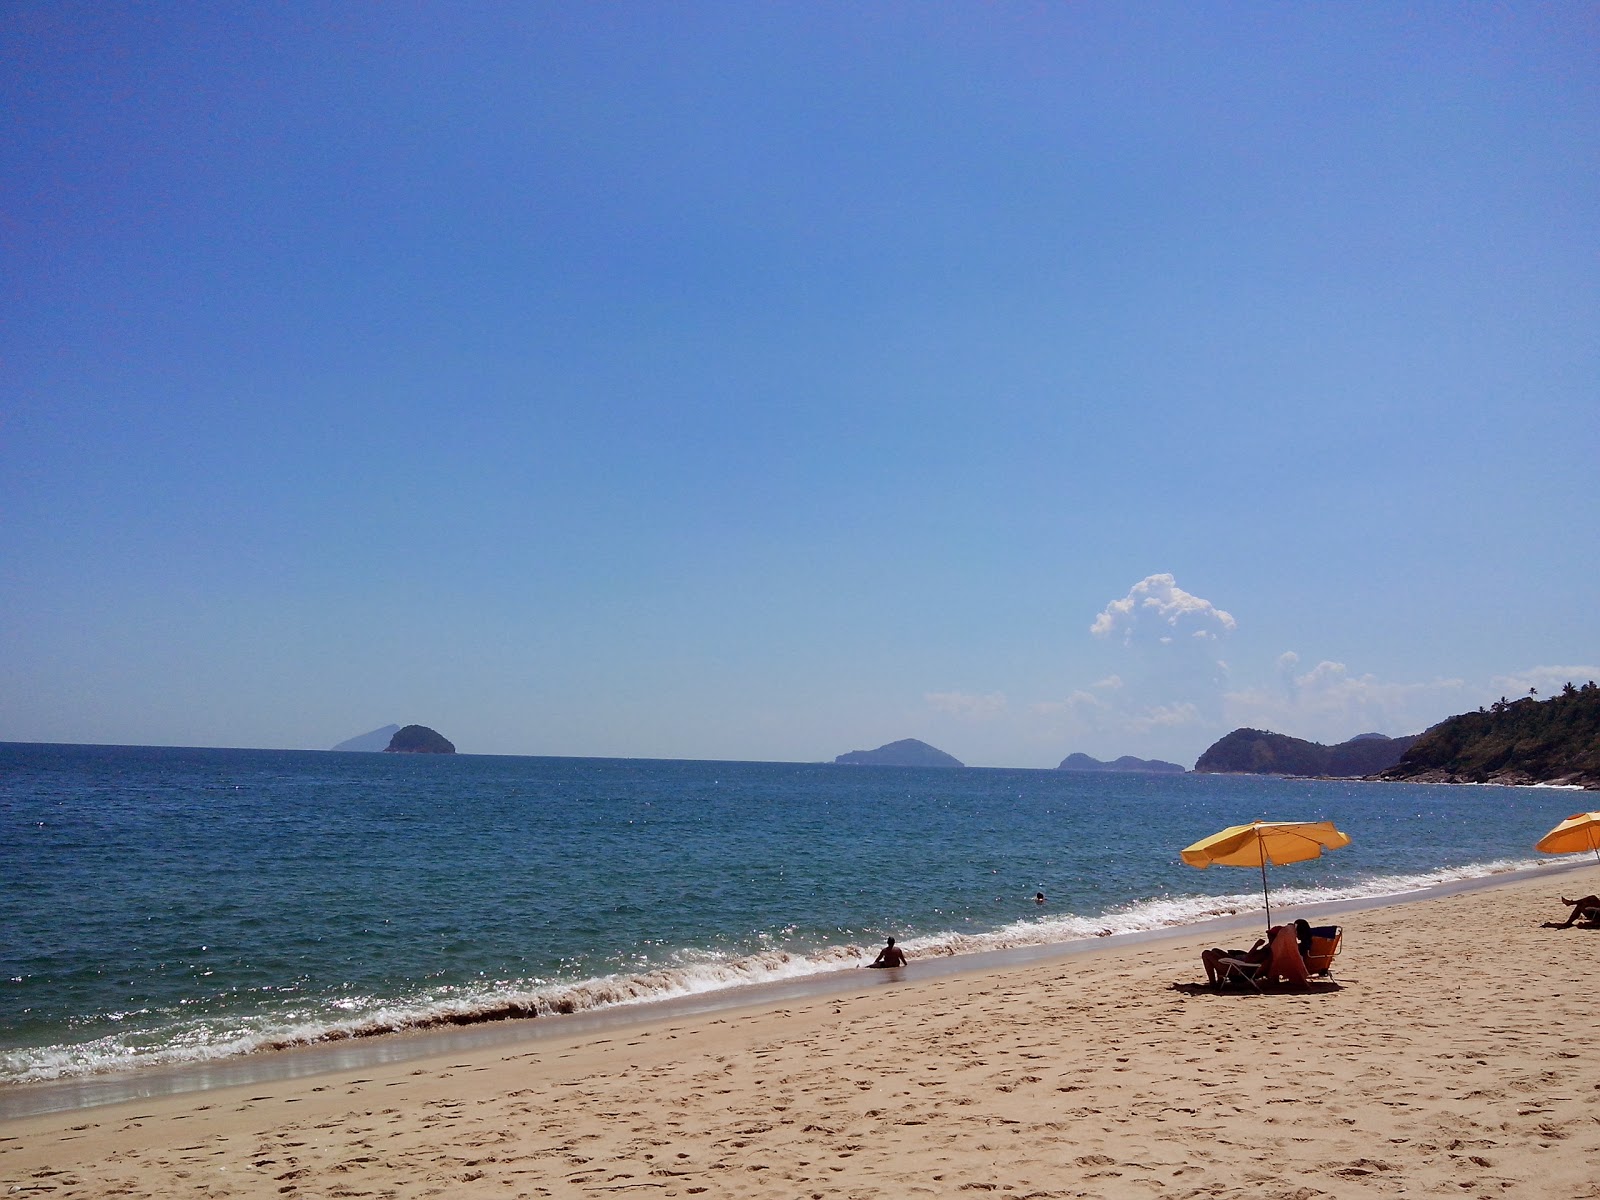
<point x="183" y="1040"/>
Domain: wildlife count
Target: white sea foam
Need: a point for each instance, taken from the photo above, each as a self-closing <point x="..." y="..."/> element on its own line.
<point x="695" y="973"/>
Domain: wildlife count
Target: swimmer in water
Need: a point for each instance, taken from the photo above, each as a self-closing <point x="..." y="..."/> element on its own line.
<point x="890" y="956"/>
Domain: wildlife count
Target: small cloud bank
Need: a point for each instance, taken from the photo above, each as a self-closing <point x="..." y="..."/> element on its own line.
<point x="1085" y="715"/>
<point x="1328" y="702"/>
<point x="1547" y="681"/>
<point x="966" y="705"/>
<point x="1079" y="702"/>
<point x="1169" y="694"/>
<point x="1156" y="607"/>
<point x="1164" y="716"/>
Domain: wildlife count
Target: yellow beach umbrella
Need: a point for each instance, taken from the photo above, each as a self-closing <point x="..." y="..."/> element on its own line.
<point x="1263" y="842"/>
<point x="1579" y="832"/>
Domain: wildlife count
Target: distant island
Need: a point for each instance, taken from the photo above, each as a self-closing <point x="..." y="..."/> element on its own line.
<point x="905" y="753"/>
<point x="1260" y="752"/>
<point x="1512" y="741"/>
<point x="376" y="741"/>
<point x="1083" y="762"/>
<point x="418" y="739"/>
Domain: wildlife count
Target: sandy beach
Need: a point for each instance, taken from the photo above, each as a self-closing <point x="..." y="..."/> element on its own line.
<point x="1453" y="1057"/>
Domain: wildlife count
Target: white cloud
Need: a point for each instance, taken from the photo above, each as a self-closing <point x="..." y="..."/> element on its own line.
<point x="1078" y="703"/>
<point x="966" y="705"/>
<point x="1328" y="704"/>
<point x="1155" y="601"/>
<point x="1083" y="712"/>
<point x="1164" y="716"/>
<point x="1549" y="680"/>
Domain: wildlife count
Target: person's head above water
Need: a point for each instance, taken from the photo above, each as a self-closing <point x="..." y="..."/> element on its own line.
<point x="891" y="941"/>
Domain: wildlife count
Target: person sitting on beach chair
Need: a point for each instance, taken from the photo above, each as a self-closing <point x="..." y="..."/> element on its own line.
<point x="1586" y="909"/>
<point x="1289" y="944"/>
<point x="1279" y="955"/>
<point x="1302" y="938"/>
<point x="1225" y="965"/>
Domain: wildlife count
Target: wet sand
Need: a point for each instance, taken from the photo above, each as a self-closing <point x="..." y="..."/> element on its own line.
<point x="1452" y="1057"/>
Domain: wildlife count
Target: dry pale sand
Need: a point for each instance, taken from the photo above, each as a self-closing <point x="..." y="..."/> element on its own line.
<point x="1455" y="1058"/>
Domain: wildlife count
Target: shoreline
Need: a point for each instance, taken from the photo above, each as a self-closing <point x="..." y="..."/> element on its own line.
<point x="335" y="1055"/>
<point x="1451" y="1055"/>
<point x="1106" y="1073"/>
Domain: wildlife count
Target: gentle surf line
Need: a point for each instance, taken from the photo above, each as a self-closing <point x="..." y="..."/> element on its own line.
<point x="728" y="983"/>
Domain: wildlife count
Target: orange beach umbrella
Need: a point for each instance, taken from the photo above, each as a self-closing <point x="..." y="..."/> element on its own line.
<point x="1579" y="832"/>
<point x="1263" y="842"/>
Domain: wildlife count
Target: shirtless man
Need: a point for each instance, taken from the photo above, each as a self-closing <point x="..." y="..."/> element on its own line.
<point x="890" y="956"/>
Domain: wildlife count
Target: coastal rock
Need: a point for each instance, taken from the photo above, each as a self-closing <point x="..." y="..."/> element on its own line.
<point x="376" y="741"/>
<point x="1260" y="752"/>
<point x="419" y="739"/>
<point x="907" y="752"/>
<point x="1083" y="762"/>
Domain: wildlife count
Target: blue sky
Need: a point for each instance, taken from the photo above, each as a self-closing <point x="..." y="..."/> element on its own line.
<point x="770" y="381"/>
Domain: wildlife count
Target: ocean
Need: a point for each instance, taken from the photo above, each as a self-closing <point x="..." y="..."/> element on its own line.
<point x="178" y="906"/>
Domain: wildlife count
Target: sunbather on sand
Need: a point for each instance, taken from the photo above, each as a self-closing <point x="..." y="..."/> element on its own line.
<point x="1287" y="961"/>
<point x="1282" y="952"/>
<point x="1211" y="959"/>
<point x="1587" y="909"/>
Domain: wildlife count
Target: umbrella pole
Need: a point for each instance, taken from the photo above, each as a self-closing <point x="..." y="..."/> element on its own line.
<point x="1267" y="900"/>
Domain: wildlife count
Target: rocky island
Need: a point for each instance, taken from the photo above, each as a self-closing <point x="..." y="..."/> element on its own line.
<point x="908" y="752"/>
<point x="1083" y="762"/>
<point x="419" y="739"/>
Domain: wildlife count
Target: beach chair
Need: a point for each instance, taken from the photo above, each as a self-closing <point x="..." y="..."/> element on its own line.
<point x="1239" y="971"/>
<point x="1325" y="943"/>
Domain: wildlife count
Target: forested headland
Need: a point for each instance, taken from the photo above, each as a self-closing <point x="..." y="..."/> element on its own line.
<point x="1512" y="741"/>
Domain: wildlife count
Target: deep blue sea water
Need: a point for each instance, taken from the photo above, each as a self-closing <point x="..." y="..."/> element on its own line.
<point x="169" y="905"/>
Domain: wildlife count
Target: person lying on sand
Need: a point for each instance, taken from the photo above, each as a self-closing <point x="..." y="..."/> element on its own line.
<point x="1586" y="909"/>
<point x="890" y="956"/>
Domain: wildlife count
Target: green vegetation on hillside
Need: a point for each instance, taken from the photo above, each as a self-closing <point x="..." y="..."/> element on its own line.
<point x="1513" y="741"/>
